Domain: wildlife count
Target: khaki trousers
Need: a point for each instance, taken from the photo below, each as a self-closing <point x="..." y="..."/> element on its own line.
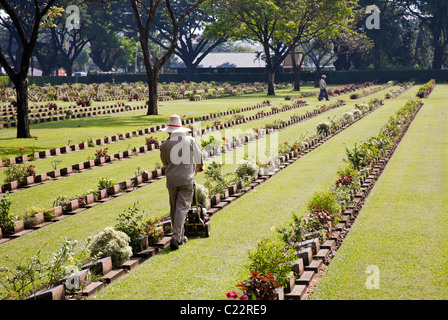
<point x="180" y="202"/>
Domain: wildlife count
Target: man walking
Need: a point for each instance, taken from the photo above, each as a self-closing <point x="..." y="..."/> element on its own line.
<point x="182" y="157"/>
<point x="323" y="88"/>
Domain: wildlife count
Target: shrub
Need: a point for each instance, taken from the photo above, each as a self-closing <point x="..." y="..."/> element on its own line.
<point x="356" y="157"/>
<point x="62" y="200"/>
<point x="101" y="153"/>
<point x="104" y="183"/>
<point x="6" y="219"/>
<point x="319" y="221"/>
<point x="327" y="200"/>
<point x="216" y="182"/>
<point x="272" y="256"/>
<point x="153" y="231"/>
<point x="357" y="113"/>
<point x="111" y="243"/>
<point x="246" y="168"/>
<point x="19" y="173"/>
<point x="151" y="140"/>
<point x="48" y="212"/>
<point x="426" y="89"/>
<point x="323" y="127"/>
<point x="259" y="287"/>
<point x="20" y="281"/>
<point x="212" y="143"/>
<point x="130" y="222"/>
<point x="347" y="116"/>
<point x="203" y="196"/>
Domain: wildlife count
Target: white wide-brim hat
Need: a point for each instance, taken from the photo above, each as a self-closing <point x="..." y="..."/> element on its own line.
<point x="174" y="125"/>
<point x="323" y="76"/>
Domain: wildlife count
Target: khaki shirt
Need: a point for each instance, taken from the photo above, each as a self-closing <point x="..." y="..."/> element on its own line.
<point x="181" y="155"/>
<point x="323" y="84"/>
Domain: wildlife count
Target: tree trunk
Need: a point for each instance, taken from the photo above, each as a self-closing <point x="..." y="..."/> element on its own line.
<point x="296" y="70"/>
<point x="23" y="127"/>
<point x="317" y="79"/>
<point x="190" y="71"/>
<point x="438" y="56"/>
<point x="271" y="81"/>
<point x="153" y="80"/>
<point x="296" y="79"/>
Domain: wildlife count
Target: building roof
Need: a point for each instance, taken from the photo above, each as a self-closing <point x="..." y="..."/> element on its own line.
<point x="224" y="60"/>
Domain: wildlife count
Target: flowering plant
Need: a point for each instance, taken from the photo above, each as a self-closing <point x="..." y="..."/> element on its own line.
<point x="130" y="222"/>
<point x="154" y="232"/>
<point x="151" y="140"/>
<point x="233" y="295"/>
<point x="272" y="257"/>
<point x="246" y="168"/>
<point x="259" y="287"/>
<point x="112" y="243"/>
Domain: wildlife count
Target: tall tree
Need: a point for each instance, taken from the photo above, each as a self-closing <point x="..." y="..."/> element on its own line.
<point x="70" y="41"/>
<point x="27" y="17"/>
<point x="322" y="51"/>
<point x="145" y="13"/>
<point x="434" y="15"/>
<point x="279" y="25"/>
<point x="193" y="44"/>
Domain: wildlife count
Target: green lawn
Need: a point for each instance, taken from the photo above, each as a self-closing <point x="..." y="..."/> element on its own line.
<point x="403" y="225"/>
<point x="44" y="195"/>
<point x="237" y="228"/>
<point x="96" y="127"/>
<point x="208" y="268"/>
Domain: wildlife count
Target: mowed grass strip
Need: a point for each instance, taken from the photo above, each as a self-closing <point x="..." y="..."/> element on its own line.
<point x="402" y="227"/>
<point x="206" y="268"/>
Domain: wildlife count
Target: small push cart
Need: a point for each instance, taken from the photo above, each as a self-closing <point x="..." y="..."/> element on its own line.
<point x="197" y="221"/>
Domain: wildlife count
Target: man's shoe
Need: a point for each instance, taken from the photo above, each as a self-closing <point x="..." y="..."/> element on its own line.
<point x="174" y="244"/>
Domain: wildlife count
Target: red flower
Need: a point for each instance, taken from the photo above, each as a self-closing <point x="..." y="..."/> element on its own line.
<point x="21" y="149"/>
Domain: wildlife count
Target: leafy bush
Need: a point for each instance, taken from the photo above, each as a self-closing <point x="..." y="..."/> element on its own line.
<point x="19" y="173"/>
<point x="101" y="153"/>
<point x="426" y="89"/>
<point x="259" y="287"/>
<point x="130" y="222"/>
<point x="211" y="144"/>
<point x="272" y="256"/>
<point x="203" y="195"/>
<point x="48" y="212"/>
<point x="111" y="243"/>
<point x="104" y="183"/>
<point x="216" y="182"/>
<point x="246" y="168"/>
<point x="151" y="140"/>
<point x="323" y="127"/>
<point x="319" y="221"/>
<point x="153" y="231"/>
<point x="327" y="200"/>
<point x="6" y="219"/>
<point x="357" y="113"/>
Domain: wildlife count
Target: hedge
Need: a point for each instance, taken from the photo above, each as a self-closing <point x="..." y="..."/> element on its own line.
<point x="333" y="77"/>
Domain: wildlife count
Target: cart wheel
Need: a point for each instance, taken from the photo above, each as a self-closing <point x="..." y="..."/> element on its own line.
<point x="207" y="229"/>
